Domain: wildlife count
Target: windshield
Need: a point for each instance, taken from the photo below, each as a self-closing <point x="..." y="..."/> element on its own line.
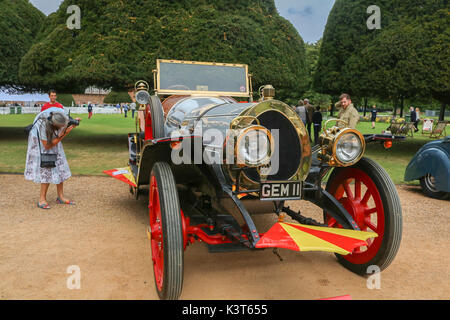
<point x="179" y="77"/>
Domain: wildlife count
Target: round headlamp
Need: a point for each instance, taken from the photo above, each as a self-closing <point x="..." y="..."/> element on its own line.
<point x="254" y="147"/>
<point x="349" y="147"/>
<point x="142" y="97"/>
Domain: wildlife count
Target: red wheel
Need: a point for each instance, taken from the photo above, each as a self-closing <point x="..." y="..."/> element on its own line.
<point x="369" y="195"/>
<point x="166" y="232"/>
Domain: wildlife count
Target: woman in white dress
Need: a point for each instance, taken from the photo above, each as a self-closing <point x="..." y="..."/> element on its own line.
<point x="45" y="137"/>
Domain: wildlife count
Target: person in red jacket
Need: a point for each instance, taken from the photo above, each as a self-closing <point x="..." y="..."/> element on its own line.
<point x="52" y="103"/>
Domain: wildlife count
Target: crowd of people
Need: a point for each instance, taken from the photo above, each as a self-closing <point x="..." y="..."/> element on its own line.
<point x="124" y="108"/>
<point x="312" y="116"/>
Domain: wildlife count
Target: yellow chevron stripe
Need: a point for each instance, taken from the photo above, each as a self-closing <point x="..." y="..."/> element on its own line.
<point x="308" y="242"/>
<point x="360" y="235"/>
<point x="130" y="177"/>
<point x="127" y="175"/>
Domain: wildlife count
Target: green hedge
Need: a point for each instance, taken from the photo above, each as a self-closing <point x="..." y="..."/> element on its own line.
<point x="117" y="97"/>
<point x="20" y="22"/>
<point x="65" y="99"/>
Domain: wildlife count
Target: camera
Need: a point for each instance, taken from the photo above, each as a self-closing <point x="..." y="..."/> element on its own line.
<point x="73" y="122"/>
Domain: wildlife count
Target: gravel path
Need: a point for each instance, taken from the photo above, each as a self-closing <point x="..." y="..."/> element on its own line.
<point x="105" y="236"/>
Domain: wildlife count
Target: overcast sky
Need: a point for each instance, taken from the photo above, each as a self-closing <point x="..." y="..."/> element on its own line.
<point x="308" y="16"/>
<point x="46" y="6"/>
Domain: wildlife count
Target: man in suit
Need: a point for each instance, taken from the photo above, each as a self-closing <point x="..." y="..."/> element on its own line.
<point x="309" y="116"/>
<point x="317" y="121"/>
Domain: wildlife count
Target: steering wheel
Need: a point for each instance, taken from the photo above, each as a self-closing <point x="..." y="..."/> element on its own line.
<point x="179" y="87"/>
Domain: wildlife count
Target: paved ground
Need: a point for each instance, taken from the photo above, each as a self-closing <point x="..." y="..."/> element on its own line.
<point x="104" y="235"/>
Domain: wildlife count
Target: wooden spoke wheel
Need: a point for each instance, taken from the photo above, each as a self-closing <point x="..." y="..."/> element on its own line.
<point x="166" y="232"/>
<point x="367" y="192"/>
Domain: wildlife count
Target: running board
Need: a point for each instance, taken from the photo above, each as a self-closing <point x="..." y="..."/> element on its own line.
<point x="298" y="237"/>
<point x="122" y="174"/>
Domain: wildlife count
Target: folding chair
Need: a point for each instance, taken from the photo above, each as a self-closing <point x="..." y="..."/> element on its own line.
<point x="408" y="129"/>
<point x="427" y="126"/>
<point x="439" y="129"/>
<point x="395" y="127"/>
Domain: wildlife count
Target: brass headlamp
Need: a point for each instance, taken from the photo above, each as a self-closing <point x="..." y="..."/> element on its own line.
<point x="254" y="146"/>
<point x="141" y="89"/>
<point x="250" y="145"/>
<point x="341" y="147"/>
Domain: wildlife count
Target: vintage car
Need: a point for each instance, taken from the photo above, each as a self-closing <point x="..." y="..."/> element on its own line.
<point x="213" y="158"/>
<point x="431" y="165"/>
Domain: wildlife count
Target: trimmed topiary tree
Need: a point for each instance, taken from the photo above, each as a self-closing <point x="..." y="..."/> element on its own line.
<point x="119" y="42"/>
<point x="408" y="57"/>
<point x="20" y="21"/>
<point x="66" y="99"/>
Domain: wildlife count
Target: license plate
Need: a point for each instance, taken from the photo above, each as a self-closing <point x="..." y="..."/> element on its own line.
<point x="280" y="191"/>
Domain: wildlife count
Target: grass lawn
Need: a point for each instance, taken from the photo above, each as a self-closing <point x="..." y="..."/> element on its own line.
<point x="395" y="159"/>
<point x="100" y="144"/>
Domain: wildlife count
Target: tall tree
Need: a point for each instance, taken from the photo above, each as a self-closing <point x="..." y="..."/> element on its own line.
<point x="312" y="59"/>
<point x="408" y="56"/>
<point x="344" y="35"/>
<point x="20" y="21"/>
<point x="119" y="42"/>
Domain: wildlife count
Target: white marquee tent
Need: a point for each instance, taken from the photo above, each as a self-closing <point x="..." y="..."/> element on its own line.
<point x="27" y="97"/>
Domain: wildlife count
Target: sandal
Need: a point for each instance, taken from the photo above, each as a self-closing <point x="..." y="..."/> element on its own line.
<point x="43" y="206"/>
<point x="59" y="201"/>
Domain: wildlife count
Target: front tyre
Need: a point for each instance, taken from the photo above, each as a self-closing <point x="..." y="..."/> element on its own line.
<point x="166" y="232"/>
<point x="367" y="192"/>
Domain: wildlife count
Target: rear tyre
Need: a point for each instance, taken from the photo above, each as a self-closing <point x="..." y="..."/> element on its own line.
<point x="166" y="232"/>
<point x="157" y="114"/>
<point x="369" y="195"/>
<point x="428" y="184"/>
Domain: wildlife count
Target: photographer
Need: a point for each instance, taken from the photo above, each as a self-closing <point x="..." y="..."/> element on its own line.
<point x="46" y="161"/>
